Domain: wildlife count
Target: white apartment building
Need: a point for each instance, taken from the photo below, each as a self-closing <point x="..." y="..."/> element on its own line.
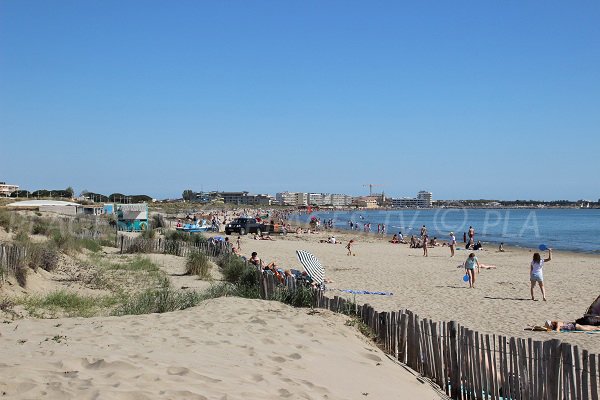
<point x="423" y="200"/>
<point x="6" y="190"/>
<point x="292" y="198"/>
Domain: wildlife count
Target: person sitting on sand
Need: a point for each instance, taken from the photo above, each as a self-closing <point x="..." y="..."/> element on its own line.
<point x="413" y="242"/>
<point x="501" y="247"/>
<point x="401" y="238"/>
<point x="561" y="326"/>
<point x="394" y="239"/>
<point x="255" y="260"/>
<point x="433" y="242"/>
<point x="478" y="246"/>
<point x="332" y="240"/>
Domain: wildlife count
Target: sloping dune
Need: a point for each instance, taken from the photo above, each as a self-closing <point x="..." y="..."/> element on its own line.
<point x="226" y="348"/>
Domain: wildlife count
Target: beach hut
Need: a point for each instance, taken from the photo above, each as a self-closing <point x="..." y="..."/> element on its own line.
<point x="132" y="217"/>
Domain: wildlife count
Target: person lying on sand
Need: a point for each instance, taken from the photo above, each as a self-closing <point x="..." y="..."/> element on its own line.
<point x="561" y="326"/>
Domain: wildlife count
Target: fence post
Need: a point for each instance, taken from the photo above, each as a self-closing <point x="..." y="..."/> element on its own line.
<point x="122" y="238"/>
<point x="454" y="367"/>
<point x="553" y="368"/>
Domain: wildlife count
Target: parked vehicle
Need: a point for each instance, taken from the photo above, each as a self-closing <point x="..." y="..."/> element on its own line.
<point x="245" y="225"/>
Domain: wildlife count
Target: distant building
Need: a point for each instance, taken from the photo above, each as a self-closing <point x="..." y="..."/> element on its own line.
<point x="365" y="202"/>
<point x="292" y="199"/>
<point x="6" y="190"/>
<point x="423" y="200"/>
<point x="246" y="198"/>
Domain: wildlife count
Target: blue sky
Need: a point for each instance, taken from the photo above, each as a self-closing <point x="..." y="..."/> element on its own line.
<point x="465" y="99"/>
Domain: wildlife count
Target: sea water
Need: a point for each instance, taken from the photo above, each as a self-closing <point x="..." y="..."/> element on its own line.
<point x="564" y="229"/>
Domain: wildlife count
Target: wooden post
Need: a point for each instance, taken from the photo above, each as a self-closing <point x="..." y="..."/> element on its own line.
<point x="402" y="353"/>
<point x="454" y="366"/>
<point x="122" y="239"/>
<point x="553" y="370"/>
<point x="594" y="378"/>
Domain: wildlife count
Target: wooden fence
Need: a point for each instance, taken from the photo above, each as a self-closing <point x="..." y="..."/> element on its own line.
<point x="175" y="247"/>
<point x="11" y="257"/>
<point x="466" y="364"/>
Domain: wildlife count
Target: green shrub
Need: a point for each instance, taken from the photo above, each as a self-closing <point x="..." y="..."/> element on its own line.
<point x="71" y="303"/>
<point x="148" y="234"/>
<point x="160" y="300"/>
<point x="235" y="270"/>
<point x="198" y="264"/>
<point x="42" y="256"/>
<point x="21" y="275"/>
<point x="137" y="264"/>
<point x="158" y="221"/>
<point x="22" y="237"/>
<point x="301" y="297"/>
<point x="66" y="242"/>
<point x="194" y="238"/>
<point x="5" y="220"/>
<point x="40" y="227"/>
<point x="90" y="244"/>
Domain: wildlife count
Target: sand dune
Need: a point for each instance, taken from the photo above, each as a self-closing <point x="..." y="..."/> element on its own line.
<point x="227" y="348"/>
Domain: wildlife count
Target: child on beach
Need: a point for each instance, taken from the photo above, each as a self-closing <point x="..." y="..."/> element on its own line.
<point x="470" y="264"/>
<point x="425" y="240"/>
<point x="349" y="247"/>
<point x="536" y="273"/>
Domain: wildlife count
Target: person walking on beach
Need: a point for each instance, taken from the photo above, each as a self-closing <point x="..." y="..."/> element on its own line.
<point x="349" y="247"/>
<point x="452" y="244"/>
<point x="470" y="264"/>
<point x="536" y="273"/>
<point x="425" y="240"/>
<point x="471" y="234"/>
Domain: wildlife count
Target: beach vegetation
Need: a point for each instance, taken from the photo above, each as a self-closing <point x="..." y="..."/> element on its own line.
<point x="67" y="303"/>
<point x="236" y="271"/>
<point x="198" y="264"/>
<point x="21" y="275"/>
<point x="148" y="234"/>
<point x="40" y="255"/>
<point x="302" y="296"/>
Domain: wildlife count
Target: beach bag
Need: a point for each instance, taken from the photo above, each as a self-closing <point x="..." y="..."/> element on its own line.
<point x="589" y="319"/>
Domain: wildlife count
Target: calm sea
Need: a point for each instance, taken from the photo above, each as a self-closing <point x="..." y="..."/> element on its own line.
<point x="565" y="229"/>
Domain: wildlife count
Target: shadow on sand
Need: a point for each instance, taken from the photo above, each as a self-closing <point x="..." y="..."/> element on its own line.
<point x="507" y="298"/>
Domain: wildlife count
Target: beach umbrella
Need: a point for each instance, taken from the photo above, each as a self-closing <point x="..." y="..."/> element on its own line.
<point x="594" y="308"/>
<point x="312" y="266"/>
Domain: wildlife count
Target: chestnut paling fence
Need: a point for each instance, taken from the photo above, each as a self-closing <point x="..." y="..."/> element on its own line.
<point x="464" y="363"/>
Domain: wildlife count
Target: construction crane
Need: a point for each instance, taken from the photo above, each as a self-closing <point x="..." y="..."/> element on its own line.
<point x="371" y="185"/>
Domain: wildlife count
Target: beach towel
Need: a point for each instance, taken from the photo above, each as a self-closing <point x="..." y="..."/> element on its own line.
<point x="366" y="292"/>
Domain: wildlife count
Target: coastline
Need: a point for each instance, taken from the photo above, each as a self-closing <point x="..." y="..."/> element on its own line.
<point x="433" y="287"/>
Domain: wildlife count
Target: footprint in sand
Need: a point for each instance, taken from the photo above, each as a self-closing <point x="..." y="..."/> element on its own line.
<point x="372" y="357"/>
<point x="278" y="359"/>
<point x="256" y="320"/>
<point x="295" y="356"/>
<point x="284" y="393"/>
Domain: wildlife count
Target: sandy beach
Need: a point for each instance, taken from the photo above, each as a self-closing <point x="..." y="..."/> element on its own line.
<point x="233" y="348"/>
<point x="433" y="287"/>
<point x="226" y="348"/>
